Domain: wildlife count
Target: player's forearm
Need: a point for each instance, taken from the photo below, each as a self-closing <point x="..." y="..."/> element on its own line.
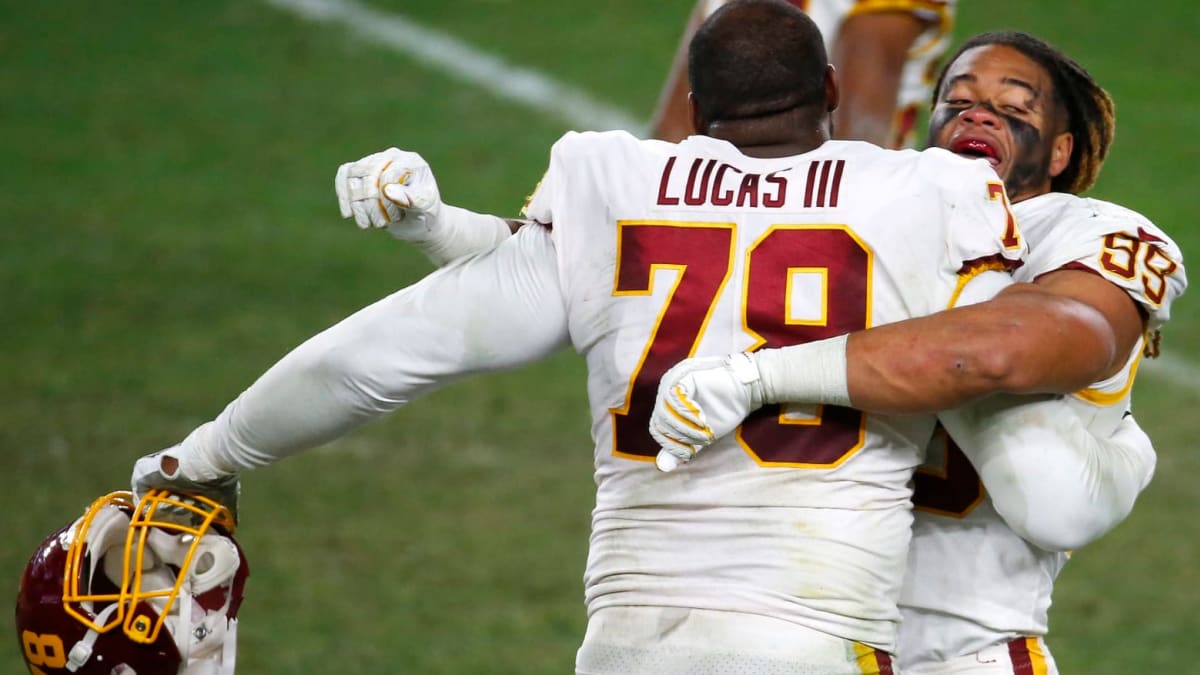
<point x="869" y="54"/>
<point x="456" y="233"/>
<point x="1051" y="480"/>
<point x="672" y="120"/>
<point x="326" y="387"/>
<point x="1023" y="341"/>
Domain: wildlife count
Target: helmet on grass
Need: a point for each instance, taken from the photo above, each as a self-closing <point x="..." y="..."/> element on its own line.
<point x="145" y="588"/>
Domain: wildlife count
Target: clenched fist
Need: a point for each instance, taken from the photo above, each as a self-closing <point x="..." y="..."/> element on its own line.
<point x="393" y="189"/>
<point x="701" y="400"/>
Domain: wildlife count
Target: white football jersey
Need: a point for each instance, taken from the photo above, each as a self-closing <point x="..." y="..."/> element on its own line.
<point x="920" y="69"/>
<point x="668" y="251"/>
<point x="972" y="582"/>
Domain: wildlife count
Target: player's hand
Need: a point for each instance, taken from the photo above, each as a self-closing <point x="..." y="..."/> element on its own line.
<point x="179" y="472"/>
<point x="393" y="189"/>
<point x="701" y="400"/>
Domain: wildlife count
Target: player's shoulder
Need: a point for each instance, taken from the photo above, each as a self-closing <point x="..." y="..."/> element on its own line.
<point x="1063" y="205"/>
<point x="957" y="174"/>
<point x="1118" y="243"/>
<point x="604" y="151"/>
<point x="950" y="165"/>
<point x="932" y="161"/>
<point x="1109" y="212"/>
<point x="937" y="175"/>
<point x="587" y="142"/>
<point x="1082" y="216"/>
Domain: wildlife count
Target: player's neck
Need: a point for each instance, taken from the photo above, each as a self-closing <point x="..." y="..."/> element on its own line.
<point x="780" y="135"/>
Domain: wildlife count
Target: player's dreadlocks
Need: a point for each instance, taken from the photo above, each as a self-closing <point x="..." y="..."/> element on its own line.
<point x="753" y="58"/>
<point x="1090" y="116"/>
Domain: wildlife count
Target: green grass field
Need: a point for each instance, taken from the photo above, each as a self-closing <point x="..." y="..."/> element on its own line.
<point x="170" y="230"/>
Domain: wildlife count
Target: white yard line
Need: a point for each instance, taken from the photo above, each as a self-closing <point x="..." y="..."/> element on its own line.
<point x="534" y="89"/>
<point x="478" y="68"/>
<point x="1173" y="369"/>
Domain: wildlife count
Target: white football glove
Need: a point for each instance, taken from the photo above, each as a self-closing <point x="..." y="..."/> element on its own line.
<point x="701" y="400"/>
<point x="393" y="189"/>
<point x="184" y="474"/>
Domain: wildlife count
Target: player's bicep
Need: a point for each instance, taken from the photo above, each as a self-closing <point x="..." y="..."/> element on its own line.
<point x="1123" y="322"/>
<point x="496" y="311"/>
<point x="499" y="310"/>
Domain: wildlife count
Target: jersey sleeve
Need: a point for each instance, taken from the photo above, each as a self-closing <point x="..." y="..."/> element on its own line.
<point x="492" y="312"/>
<point x="982" y="233"/>
<point x="1052" y="480"/>
<point x="1123" y="247"/>
<point x="540" y="205"/>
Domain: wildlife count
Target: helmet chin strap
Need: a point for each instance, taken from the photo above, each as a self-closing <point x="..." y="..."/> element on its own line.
<point x="214" y="561"/>
<point x="220" y="663"/>
<point x="82" y="651"/>
<point x="227" y="660"/>
<point x="229" y="651"/>
<point x="183" y="626"/>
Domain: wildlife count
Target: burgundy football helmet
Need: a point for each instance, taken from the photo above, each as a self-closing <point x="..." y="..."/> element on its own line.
<point x="151" y="588"/>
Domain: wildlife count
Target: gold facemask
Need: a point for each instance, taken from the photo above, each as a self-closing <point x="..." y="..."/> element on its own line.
<point x="142" y="602"/>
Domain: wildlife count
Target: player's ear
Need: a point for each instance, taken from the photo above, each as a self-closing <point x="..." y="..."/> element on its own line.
<point x="1060" y="152"/>
<point x="832" y="93"/>
<point x="699" y="124"/>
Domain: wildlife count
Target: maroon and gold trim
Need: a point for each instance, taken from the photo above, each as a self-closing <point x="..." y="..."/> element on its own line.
<point x="933" y="8"/>
<point x="873" y="661"/>
<point x="973" y="268"/>
<point x="1028" y="657"/>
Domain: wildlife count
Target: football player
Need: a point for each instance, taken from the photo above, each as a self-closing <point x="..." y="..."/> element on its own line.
<point x="982" y="563"/>
<point x="760" y="230"/>
<point x="1059" y="127"/>
<point x="886" y="53"/>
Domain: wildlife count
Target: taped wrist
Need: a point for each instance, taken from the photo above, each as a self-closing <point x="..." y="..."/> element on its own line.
<point x="814" y="372"/>
<point x="456" y="233"/>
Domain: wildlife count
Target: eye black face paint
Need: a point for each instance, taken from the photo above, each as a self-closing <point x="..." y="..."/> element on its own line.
<point x="1028" y="169"/>
<point x="938" y="119"/>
